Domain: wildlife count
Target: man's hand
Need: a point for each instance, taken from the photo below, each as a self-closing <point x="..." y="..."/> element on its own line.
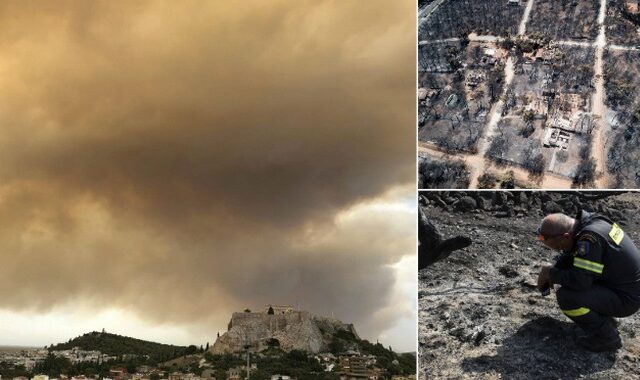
<point x="544" y="281"/>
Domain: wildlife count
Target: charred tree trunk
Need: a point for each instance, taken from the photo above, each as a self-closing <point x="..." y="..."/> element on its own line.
<point x="432" y="245"/>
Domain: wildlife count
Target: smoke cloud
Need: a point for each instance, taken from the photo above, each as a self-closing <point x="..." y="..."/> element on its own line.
<point x="183" y="160"/>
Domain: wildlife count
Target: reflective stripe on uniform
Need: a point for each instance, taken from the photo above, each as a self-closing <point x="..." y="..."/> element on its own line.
<point x="588" y="265"/>
<point x="616" y="234"/>
<point x="576" y="312"/>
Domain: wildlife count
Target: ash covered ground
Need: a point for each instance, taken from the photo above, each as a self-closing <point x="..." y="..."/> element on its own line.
<point x="480" y="315"/>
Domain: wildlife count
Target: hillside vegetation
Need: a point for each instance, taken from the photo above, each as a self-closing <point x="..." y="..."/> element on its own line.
<point x="113" y="344"/>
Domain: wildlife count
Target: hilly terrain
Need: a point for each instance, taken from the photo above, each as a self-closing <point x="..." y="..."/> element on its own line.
<point x="117" y="345"/>
<point x="287" y="351"/>
<point x="295" y="332"/>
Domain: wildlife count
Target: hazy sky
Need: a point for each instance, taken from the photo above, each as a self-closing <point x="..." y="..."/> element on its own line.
<point x="164" y="163"/>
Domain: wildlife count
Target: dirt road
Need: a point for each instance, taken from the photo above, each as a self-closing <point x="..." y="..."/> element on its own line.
<point x="478" y="165"/>
<point x="598" y="147"/>
<point x="525" y="18"/>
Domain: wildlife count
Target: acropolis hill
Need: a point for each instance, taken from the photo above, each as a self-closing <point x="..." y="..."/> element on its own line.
<point x="281" y="325"/>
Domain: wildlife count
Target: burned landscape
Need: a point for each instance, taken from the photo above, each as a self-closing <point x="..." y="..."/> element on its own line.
<point x="622" y="82"/>
<point x="480" y="316"/>
<point x="458" y="18"/>
<point x="547" y="94"/>
<point x="456" y="100"/>
<point x="544" y="88"/>
<point x="623" y="22"/>
<point x="442" y="174"/>
<point x="565" y="20"/>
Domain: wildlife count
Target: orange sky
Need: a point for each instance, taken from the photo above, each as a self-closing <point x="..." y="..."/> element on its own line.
<point x="182" y="160"/>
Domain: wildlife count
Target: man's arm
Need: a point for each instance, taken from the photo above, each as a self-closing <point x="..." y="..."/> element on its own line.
<point x="564" y="261"/>
<point x="587" y="265"/>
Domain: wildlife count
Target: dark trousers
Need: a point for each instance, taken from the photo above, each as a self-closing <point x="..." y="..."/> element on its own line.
<point x="590" y="308"/>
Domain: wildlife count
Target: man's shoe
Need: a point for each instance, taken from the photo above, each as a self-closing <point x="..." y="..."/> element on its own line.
<point x="598" y="343"/>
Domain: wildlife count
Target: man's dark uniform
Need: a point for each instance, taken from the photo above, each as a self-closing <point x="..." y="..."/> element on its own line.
<point x="599" y="277"/>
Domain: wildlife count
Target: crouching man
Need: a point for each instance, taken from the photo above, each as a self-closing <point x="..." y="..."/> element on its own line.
<point x="598" y="273"/>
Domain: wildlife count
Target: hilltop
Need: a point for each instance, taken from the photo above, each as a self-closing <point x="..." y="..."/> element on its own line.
<point x="286" y="328"/>
<point x="117" y="345"/>
<point x="287" y="332"/>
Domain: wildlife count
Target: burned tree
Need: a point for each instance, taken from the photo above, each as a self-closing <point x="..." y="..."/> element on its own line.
<point x="432" y="246"/>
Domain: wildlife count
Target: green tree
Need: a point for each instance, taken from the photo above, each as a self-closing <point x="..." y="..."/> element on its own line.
<point x="336" y="347"/>
<point x="131" y="367"/>
<point x="53" y="366"/>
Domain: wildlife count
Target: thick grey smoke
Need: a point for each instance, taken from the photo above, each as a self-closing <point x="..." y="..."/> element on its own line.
<point x="178" y="159"/>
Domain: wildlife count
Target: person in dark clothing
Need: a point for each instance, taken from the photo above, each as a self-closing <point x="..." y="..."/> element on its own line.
<point x="598" y="273"/>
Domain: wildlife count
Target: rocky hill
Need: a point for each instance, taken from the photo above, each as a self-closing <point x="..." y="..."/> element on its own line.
<point x="480" y="316"/>
<point x="292" y="330"/>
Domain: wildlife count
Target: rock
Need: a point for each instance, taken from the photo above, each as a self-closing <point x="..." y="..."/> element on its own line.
<point x="551" y="207"/>
<point x="450" y="200"/>
<point x="435" y="198"/>
<point x="466" y="204"/>
<point x="508" y="271"/>
<point x="484" y="203"/>
<point x="522" y="198"/>
<point x="507" y="209"/>
<point x="439" y="202"/>
<point x="479" y="336"/>
<point x="616" y="215"/>
<point x="294" y="330"/>
<point x="546" y="197"/>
